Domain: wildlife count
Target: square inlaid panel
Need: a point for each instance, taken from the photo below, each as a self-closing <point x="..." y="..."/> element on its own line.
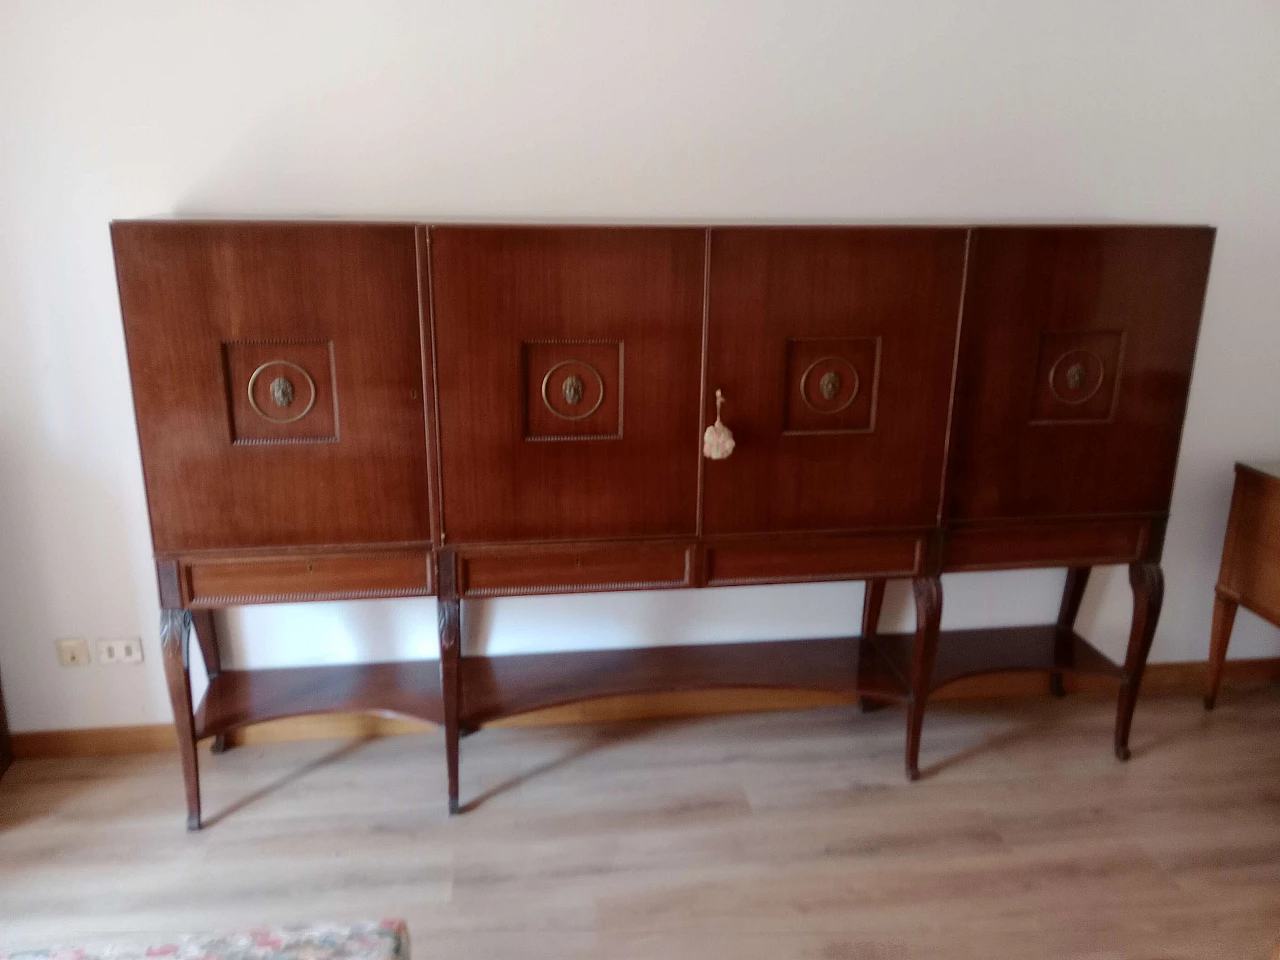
<point x="549" y="335"/>
<point x="1074" y="366"/>
<point x="324" y="314"/>
<point x="281" y="392"/>
<point x="1077" y="373"/>
<point x="573" y="389"/>
<point x="831" y="385"/>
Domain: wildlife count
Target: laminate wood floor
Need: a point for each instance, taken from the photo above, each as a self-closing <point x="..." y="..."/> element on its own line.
<point x="756" y="836"/>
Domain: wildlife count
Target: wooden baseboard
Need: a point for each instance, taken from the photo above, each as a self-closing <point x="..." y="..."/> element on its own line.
<point x="1179" y="678"/>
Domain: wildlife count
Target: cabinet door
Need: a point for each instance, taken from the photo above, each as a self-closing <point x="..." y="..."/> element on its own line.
<point x="1074" y="368"/>
<point x="568" y="373"/>
<point x="834" y="351"/>
<point x="277" y="379"/>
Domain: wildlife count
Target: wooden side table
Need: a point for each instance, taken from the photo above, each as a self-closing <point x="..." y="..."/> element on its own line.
<point x="1250" y="573"/>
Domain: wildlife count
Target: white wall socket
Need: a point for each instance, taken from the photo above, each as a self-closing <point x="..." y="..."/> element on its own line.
<point x="120" y="650"/>
<point x="72" y="651"/>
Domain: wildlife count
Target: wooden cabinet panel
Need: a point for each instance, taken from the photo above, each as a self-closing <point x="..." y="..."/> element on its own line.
<point x="577" y="567"/>
<point x="1064" y="543"/>
<point x="277" y="376"/>
<point x="784" y="560"/>
<point x="1250" y="570"/>
<point x="221" y="583"/>
<point x="834" y="349"/>
<point x="1075" y="362"/>
<point x="568" y="364"/>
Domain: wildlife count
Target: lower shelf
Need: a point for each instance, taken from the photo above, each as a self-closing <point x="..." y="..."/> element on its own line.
<point x="497" y="687"/>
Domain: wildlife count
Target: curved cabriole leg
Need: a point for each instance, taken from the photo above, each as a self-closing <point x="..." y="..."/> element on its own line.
<point x="928" y="591"/>
<point x="872" y="601"/>
<point x="450" y="614"/>
<point x="1064" y="643"/>
<point x="175" y="636"/>
<point x="1224" y="618"/>
<point x="1147" y="581"/>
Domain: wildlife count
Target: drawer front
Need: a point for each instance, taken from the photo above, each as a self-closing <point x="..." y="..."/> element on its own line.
<point x="220" y="583"/>
<point x="1064" y="543"/>
<point x="572" y="569"/>
<point x="762" y="561"/>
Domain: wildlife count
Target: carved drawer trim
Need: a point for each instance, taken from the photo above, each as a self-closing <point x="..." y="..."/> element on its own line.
<point x="287" y="579"/>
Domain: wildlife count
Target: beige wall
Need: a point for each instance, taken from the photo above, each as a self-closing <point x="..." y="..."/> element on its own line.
<point x="563" y="110"/>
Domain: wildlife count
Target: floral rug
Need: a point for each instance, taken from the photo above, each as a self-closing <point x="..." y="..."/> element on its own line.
<point x="385" y="940"/>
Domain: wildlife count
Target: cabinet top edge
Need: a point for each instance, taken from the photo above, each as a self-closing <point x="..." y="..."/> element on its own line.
<point x="660" y="223"/>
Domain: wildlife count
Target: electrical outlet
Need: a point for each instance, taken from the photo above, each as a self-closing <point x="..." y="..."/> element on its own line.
<point x="120" y="650"/>
<point x="72" y="651"/>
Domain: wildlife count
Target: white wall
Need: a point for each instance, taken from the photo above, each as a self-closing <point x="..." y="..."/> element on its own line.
<point x="553" y="109"/>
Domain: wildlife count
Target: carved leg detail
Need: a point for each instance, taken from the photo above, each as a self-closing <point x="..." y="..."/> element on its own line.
<point x="1224" y="618"/>
<point x="1147" y="581"/>
<point x="872" y="601"/>
<point x="928" y="591"/>
<point x="175" y="635"/>
<point x="450" y="608"/>
<point x="1064" y="645"/>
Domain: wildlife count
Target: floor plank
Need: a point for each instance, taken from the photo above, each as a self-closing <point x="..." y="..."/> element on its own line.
<point x="763" y="835"/>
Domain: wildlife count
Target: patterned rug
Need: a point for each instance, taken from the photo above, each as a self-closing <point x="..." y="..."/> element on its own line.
<point x="385" y="940"/>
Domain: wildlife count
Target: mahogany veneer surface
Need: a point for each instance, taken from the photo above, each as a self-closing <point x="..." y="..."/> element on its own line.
<point x="204" y="305"/>
<point x="1121" y="302"/>
<point x="511" y="304"/>
<point x="360" y="410"/>
<point x="876" y="310"/>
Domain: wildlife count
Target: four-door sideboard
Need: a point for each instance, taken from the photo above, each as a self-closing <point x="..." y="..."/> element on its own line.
<point x="332" y="410"/>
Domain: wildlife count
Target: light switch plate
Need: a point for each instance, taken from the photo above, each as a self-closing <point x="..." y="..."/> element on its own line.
<point x="72" y="651"/>
<point x="120" y="650"/>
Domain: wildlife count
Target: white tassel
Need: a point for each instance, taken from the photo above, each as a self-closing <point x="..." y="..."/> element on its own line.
<point x="717" y="442"/>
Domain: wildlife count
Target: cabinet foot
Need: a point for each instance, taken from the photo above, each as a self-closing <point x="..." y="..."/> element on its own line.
<point x="1064" y="644"/>
<point x="928" y="592"/>
<point x="450" y="619"/>
<point x="175" y="642"/>
<point x="219" y="744"/>
<point x="1147" y="581"/>
<point x="1224" y="618"/>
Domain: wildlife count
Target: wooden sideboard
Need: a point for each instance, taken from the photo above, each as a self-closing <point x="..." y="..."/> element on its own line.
<point x="338" y="410"/>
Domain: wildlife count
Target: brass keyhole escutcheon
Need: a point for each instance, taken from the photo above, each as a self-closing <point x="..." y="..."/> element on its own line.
<point x="572" y="389"/>
<point x="282" y="391"/>
<point x="1075" y="376"/>
<point x="829" y="386"/>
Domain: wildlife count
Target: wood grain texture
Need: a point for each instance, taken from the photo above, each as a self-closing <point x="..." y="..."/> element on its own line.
<point x="815" y="557"/>
<point x="1026" y="284"/>
<point x="351" y="576"/>
<point x="1045" y="543"/>
<point x="777" y="290"/>
<point x="764" y="836"/>
<point x="905" y="400"/>
<point x="187" y="289"/>
<point x="497" y="290"/>
<point x="507" y="571"/>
